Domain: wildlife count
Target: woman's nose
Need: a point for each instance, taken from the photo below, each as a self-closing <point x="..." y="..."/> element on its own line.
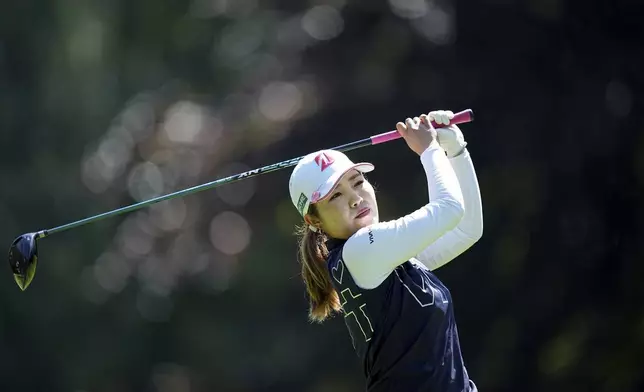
<point x="356" y="200"/>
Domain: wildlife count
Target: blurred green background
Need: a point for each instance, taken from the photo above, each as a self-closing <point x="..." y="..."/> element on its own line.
<point x="106" y="103"/>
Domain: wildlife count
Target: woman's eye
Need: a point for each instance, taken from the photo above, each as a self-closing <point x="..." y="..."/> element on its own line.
<point x="335" y="195"/>
<point x="359" y="182"/>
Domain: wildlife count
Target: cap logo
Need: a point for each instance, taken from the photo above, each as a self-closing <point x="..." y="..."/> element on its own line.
<point x="301" y="202"/>
<point x="323" y="161"/>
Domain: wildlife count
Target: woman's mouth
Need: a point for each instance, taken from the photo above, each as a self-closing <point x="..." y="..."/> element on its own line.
<point x="363" y="212"/>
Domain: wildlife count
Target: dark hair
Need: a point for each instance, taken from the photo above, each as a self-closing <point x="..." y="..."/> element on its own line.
<point x="323" y="298"/>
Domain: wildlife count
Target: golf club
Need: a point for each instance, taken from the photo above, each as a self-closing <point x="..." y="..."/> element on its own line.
<point x="23" y="254"/>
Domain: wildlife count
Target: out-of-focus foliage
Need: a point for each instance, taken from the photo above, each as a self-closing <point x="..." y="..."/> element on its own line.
<point x="106" y="103"/>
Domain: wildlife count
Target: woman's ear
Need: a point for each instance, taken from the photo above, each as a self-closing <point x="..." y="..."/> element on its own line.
<point x="312" y="220"/>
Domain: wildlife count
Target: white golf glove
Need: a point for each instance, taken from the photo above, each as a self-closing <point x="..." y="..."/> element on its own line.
<point x="450" y="137"/>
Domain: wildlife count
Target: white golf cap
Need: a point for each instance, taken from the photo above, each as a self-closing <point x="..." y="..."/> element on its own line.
<point x="317" y="174"/>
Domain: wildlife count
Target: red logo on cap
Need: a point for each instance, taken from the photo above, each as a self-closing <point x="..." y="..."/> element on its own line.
<point x="323" y="161"/>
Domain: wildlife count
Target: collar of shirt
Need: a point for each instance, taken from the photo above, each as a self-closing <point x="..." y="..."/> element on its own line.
<point x="332" y="243"/>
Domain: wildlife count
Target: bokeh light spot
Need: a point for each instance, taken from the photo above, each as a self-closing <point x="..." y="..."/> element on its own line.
<point x="237" y="193"/>
<point x="184" y="122"/>
<point x="145" y="181"/>
<point x="409" y="9"/>
<point x="323" y="22"/>
<point x="279" y="101"/>
<point x="230" y="233"/>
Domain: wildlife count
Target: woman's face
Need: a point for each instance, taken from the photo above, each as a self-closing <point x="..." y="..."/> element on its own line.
<point x="350" y="206"/>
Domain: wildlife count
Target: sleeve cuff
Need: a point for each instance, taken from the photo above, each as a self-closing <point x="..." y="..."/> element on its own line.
<point x="430" y="150"/>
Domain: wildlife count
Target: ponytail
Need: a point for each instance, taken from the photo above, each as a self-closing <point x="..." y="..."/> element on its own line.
<point x="323" y="298"/>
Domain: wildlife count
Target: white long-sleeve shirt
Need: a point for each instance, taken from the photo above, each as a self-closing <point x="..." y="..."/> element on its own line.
<point x="470" y="229"/>
<point x="373" y="252"/>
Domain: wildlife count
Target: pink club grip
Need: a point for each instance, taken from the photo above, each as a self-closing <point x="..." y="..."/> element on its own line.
<point x="459" y="118"/>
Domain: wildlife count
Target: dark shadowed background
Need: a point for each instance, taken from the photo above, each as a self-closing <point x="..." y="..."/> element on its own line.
<point x="106" y="103"/>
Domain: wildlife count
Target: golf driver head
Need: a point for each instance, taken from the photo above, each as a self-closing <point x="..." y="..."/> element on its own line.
<point x="23" y="259"/>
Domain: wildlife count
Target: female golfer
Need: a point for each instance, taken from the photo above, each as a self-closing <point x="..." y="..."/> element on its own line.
<point x="378" y="274"/>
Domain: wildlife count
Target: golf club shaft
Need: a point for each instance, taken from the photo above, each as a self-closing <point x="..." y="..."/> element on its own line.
<point x="459" y="118"/>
